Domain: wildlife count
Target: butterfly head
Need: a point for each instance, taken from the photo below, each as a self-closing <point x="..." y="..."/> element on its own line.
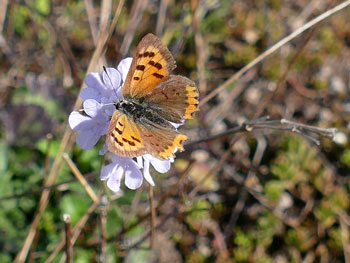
<point x="125" y="106"/>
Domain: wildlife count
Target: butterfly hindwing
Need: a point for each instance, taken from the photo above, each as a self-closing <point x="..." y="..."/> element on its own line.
<point x="161" y="142"/>
<point x="176" y="98"/>
<point x="123" y="137"/>
<point x="151" y="64"/>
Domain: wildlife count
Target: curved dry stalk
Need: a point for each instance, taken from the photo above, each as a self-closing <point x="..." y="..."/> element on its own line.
<point x="153" y="215"/>
<point x="68" y="235"/>
<point x="80" y="177"/>
<point x="307" y="131"/>
<point x="274" y="48"/>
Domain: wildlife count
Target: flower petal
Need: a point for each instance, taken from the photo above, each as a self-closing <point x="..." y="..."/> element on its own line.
<point x="94" y="81"/>
<point x="92" y="107"/>
<point x="161" y="166"/>
<point x="112" y="172"/>
<point x="112" y="79"/>
<point x="146" y="173"/>
<point x="78" y="122"/>
<point x="133" y="178"/>
<point x="86" y="139"/>
<point x="107" y="171"/>
<point x="114" y="180"/>
<point x="124" y="67"/>
<point x="139" y="160"/>
<point x="104" y="150"/>
<point x="90" y="93"/>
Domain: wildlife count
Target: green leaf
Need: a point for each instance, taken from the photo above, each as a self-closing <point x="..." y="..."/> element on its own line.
<point x="75" y="206"/>
<point x="42" y="6"/>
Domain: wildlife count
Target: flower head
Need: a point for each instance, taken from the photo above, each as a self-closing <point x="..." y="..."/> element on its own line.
<point x="99" y="97"/>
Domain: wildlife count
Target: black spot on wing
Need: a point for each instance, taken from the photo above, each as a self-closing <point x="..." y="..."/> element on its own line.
<point x="135" y="139"/>
<point x="117" y="130"/>
<point x="159" y="76"/>
<point x="155" y="64"/>
<point x="117" y="141"/>
<point x="140" y="67"/>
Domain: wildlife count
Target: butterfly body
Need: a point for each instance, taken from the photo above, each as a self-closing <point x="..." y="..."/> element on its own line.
<point x="152" y="100"/>
<point x="142" y="112"/>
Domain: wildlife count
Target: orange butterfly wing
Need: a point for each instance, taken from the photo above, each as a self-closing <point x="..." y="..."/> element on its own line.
<point x="151" y="64"/>
<point x="123" y="137"/>
<point x="173" y="97"/>
<point x="161" y="142"/>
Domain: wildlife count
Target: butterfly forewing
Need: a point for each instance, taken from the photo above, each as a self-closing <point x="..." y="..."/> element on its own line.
<point x="151" y="64"/>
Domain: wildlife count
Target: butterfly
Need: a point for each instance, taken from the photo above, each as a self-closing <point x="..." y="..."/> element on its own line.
<point x="151" y="100"/>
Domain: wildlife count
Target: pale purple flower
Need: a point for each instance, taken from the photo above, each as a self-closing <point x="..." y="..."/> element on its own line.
<point x="99" y="97"/>
<point x="114" y="172"/>
<point x="161" y="166"/>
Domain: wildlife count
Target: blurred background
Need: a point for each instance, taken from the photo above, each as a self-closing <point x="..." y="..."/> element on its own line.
<point x="266" y="195"/>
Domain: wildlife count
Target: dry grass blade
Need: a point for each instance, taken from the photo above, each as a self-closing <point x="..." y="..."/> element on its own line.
<point x="3" y="10"/>
<point x="153" y="215"/>
<point x="103" y="227"/>
<point x="92" y="19"/>
<point x="68" y="235"/>
<point x="345" y="236"/>
<point x="136" y="15"/>
<point x="274" y="48"/>
<point x="201" y="52"/>
<point x="161" y="17"/>
<point x="80" y="178"/>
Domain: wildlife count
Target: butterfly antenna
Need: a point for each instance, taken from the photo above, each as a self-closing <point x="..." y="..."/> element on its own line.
<point x="106" y="104"/>
<point x="105" y="70"/>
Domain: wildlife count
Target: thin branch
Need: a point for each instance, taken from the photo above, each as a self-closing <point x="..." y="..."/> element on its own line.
<point x="103" y="226"/>
<point x="40" y="189"/>
<point x="201" y="52"/>
<point x="146" y="236"/>
<point x="161" y="17"/>
<point x="68" y="235"/>
<point x="306" y="131"/>
<point x="113" y="24"/>
<point x="345" y="235"/>
<point x="91" y="18"/>
<point x="239" y="206"/>
<point x="137" y="11"/>
<point x="3" y="11"/>
<point x="80" y="178"/>
<point x="153" y="215"/>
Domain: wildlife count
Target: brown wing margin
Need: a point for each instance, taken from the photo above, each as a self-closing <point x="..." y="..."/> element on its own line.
<point x="151" y="64"/>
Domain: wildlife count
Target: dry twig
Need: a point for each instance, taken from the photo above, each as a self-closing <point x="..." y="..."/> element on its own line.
<point x="68" y="232"/>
